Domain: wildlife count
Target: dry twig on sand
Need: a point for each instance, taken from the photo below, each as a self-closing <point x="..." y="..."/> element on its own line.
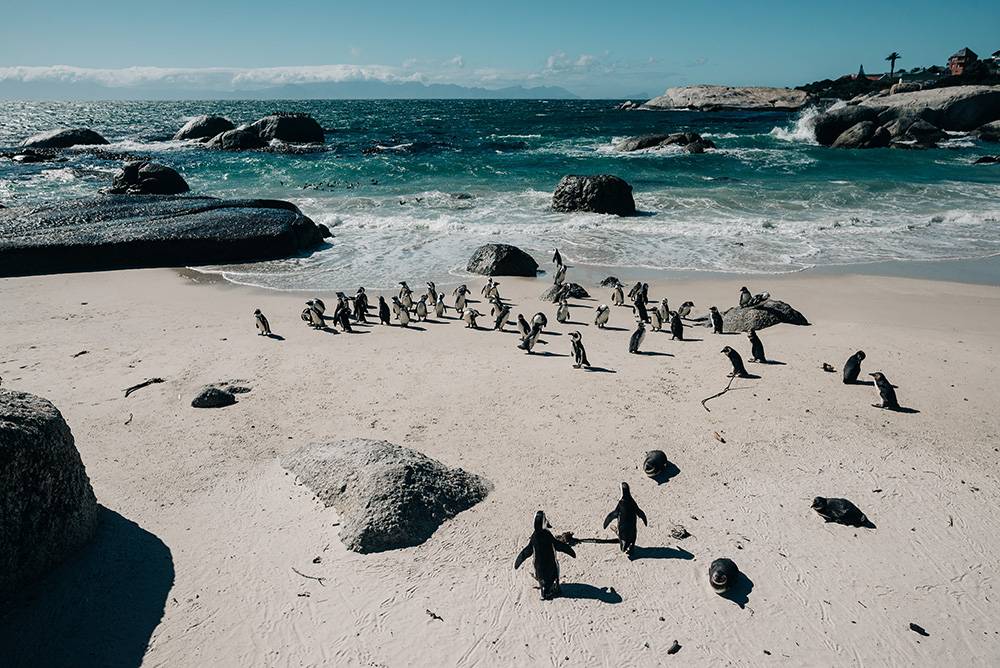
<point x="320" y="580"/>
<point x="145" y="383"/>
<point x="707" y="399"/>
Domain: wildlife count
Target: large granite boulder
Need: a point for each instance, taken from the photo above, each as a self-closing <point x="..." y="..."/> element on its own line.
<point x="240" y="139"/>
<point x="204" y="127"/>
<point x="866" y="134"/>
<point x="955" y="108"/>
<point x="601" y="193"/>
<point x="501" y="260"/>
<point x="388" y="497"/>
<point x="47" y="506"/>
<point x="289" y="127"/>
<point x="905" y="87"/>
<point x="989" y="132"/>
<point x="724" y="98"/>
<point x="763" y="315"/>
<point x="129" y="231"/>
<point x="64" y="138"/>
<point x="148" y="178"/>
<point x="687" y="139"/>
<point x="831" y="124"/>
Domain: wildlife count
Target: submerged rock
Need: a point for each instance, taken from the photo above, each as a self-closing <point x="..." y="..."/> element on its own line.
<point x="148" y="178"/>
<point x="388" y="497"/>
<point x="501" y="260"/>
<point x="239" y="139"/>
<point x="687" y="139"/>
<point x="987" y="160"/>
<point x="47" y="506"/>
<point x="289" y="127"/>
<point x="64" y="138"/>
<point x="601" y="193"/>
<point x="761" y="316"/>
<point x="130" y="231"/>
<point x="204" y="128"/>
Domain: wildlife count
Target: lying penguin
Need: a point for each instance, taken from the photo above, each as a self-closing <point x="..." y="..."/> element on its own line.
<point x="655" y="464"/>
<point x="723" y="574"/>
<point x="841" y="511"/>
<point x="542" y="547"/>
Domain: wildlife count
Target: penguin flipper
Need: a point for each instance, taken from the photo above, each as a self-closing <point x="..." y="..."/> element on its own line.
<point x="525" y="553"/>
<point x="563" y="547"/>
<point x="613" y="515"/>
<point x="641" y="515"/>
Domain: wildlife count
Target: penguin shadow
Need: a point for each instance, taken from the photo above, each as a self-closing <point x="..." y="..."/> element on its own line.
<point x="580" y="590"/>
<point x="739" y="592"/>
<point x="669" y="471"/>
<point x="598" y="369"/>
<point x="276" y="337"/>
<point x="747" y="376"/>
<point x="547" y="332"/>
<point x="638" y="553"/>
<point x="899" y="409"/>
<point x="413" y="328"/>
<point x="355" y="330"/>
<point x="687" y="340"/>
<point x="546" y="353"/>
<point x="868" y="383"/>
<point x="615" y="329"/>
<point x="653" y="353"/>
<point x="768" y="362"/>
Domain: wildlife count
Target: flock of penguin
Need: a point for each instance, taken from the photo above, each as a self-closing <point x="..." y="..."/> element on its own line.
<point x="543" y="545"/>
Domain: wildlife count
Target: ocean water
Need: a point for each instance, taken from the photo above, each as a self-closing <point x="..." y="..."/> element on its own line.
<point x="410" y="188"/>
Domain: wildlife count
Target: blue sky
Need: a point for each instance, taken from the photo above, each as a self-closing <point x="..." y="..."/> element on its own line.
<point x="595" y="49"/>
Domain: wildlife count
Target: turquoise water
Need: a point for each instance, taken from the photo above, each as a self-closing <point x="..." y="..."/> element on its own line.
<point x="410" y="188"/>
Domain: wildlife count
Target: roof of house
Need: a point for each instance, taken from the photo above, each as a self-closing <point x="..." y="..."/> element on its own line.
<point x="965" y="52"/>
<point x="996" y="54"/>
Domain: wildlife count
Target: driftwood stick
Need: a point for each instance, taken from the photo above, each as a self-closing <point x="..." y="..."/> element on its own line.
<point x="707" y="399"/>
<point x="320" y="580"/>
<point x="145" y="383"/>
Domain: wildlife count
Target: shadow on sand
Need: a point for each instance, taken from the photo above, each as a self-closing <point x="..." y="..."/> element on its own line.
<point x="97" y="609"/>
<point x="739" y="592"/>
<point x="668" y="472"/>
<point x="580" y="590"/>
<point x="659" y="553"/>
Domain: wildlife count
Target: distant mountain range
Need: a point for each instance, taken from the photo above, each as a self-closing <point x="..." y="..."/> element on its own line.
<point x="343" y="90"/>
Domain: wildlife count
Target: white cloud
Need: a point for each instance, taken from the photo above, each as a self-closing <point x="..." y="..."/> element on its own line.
<point x="457" y="61"/>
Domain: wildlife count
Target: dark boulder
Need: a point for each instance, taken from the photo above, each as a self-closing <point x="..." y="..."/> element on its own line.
<point x="610" y="281"/>
<point x="566" y="290"/>
<point x="602" y="193"/>
<point x="47" y="506"/>
<point x="387" y="496"/>
<point x="148" y="178"/>
<point x="661" y="140"/>
<point x="64" y="139"/>
<point x="213" y="397"/>
<point x="864" y="135"/>
<point x="130" y="231"/>
<point x="831" y="124"/>
<point x="501" y="260"/>
<point x="989" y="132"/>
<point x="763" y="315"/>
<point x="240" y="139"/>
<point x="289" y="127"/>
<point x="204" y="128"/>
<point x="924" y="133"/>
<point x="988" y="160"/>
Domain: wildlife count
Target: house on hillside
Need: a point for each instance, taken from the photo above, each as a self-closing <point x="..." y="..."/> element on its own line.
<point x="960" y="60"/>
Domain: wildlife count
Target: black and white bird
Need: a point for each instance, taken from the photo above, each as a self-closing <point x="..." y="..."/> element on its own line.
<point x="562" y="313"/>
<point x="601" y="316"/>
<point x="542" y="548"/>
<point x="716" y="318"/>
<point x="617" y="296"/>
<point x="263" y="327"/>
<point x="528" y="342"/>
<point x="469" y="317"/>
<point x="579" y="352"/>
<point x="523" y="328"/>
<point x="636" y="339"/>
<point x="626" y="512"/>
<point x="886" y="392"/>
<point x="501" y="318"/>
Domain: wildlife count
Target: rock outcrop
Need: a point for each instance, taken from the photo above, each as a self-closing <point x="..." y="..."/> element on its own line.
<point x="501" y="260"/>
<point x="387" y="496"/>
<point x="725" y="98"/>
<point x="567" y="290"/>
<point x="64" y="138"/>
<point x="866" y="134"/>
<point x="130" y="231"/>
<point x="602" y="193"/>
<point x="761" y="316"/>
<point x="830" y="125"/>
<point x="148" y="178"/>
<point x="47" y="506"/>
<point x="239" y="139"/>
<point x="989" y="132"/>
<point x="204" y="128"/>
<point x="693" y="141"/>
<point x="289" y="127"/>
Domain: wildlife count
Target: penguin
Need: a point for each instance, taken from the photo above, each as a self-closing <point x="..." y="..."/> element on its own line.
<point x="579" y="352"/>
<point x="342" y="315"/>
<point x="716" y="320"/>
<point x="432" y="295"/>
<point x="460" y="290"/>
<point x="886" y="393"/>
<point x="626" y="513"/>
<point x="639" y="306"/>
<point x="737" y="362"/>
<point x="404" y="289"/>
<point x="397" y="306"/>
<point x="542" y="547"/>
<point x="360" y="311"/>
<point x="494" y="292"/>
<point x="557" y="258"/>
<point x="496" y="306"/>
<point x="655" y="463"/>
<point x="676" y="327"/>
<point x="361" y="299"/>
<point x="644" y="293"/>
<point x="439" y="307"/>
<point x="406" y="299"/>
<point x="522" y="326"/>
<point x="501" y="320"/>
<point x="540" y="320"/>
<point x="312" y="315"/>
<point x="460" y="300"/>
<point x="383" y="311"/>
<point x="617" y="297"/>
<point x="562" y="313"/>
<point x="722" y="574"/>
<point x="841" y="511"/>
<point x="528" y="342"/>
<point x="758" y="299"/>
<point x="487" y="288"/>
<point x="469" y="317"/>
<point x="685" y="309"/>
<point x="601" y="316"/>
<point x="263" y="327"/>
<point x="634" y="291"/>
<point x="852" y="369"/>
<point x="665" y="310"/>
<point x="655" y="320"/>
<point x="636" y="339"/>
<point x="560" y="276"/>
<point x="745" y="296"/>
<point x="756" y="347"/>
<point x="319" y="305"/>
<point x="421" y="308"/>
<point x="404" y="317"/>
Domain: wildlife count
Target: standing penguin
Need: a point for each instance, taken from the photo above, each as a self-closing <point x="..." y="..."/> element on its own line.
<point x="404" y="317"/>
<point x="644" y="292"/>
<point x="557" y="258"/>
<point x="756" y="347"/>
<point x="487" y="288"/>
<point x="562" y="313"/>
<point x="676" y="327"/>
<point x="635" y="340"/>
<point x="361" y="299"/>
<point x="635" y="290"/>
<point x="886" y="393"/>
<point x="540" y="320"/>
<point x="685" y="309"/>
<point x="560" y="276"/>
<point x="737" y="362"/>
<point x="421" y="308"/>
<point x="342" y="314"/>
<point x="665" y="310"/>
<point x="469" y="317"/>
<point x="626" y="513"/>
<point x="460" y="299"/>
<point x="494" y="292"/>
<point x="716" y="320"/>
<point x="312" y="315"/>
<point x="501" y="318"/>
<point x="318" y="304"/>
<point x="361" y="307"/>
<point x="601" y="316"/>
<point x="439" y="306"/>
<point x="655" y="321"/>
<point x="579" y="352"/>
<point x="852" y="369"/>
<point x="523" y="327"/>
<point x="639" y="306"/>
<point x="617" y="296"/>
<point x="745" y="296"/>
<point x="405" y="295"/>
<point x="432" y="295"/>
<point x="383" y="311"/>
<point x="542" y="547"/>
<point x="263" y="327"/>
<point x="397" y="306"/>
<point x="528" y="342"/>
